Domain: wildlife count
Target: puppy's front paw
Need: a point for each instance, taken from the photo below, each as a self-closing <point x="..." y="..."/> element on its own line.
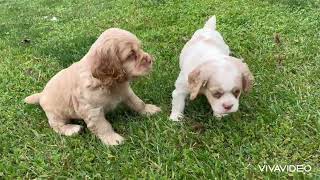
<point x="176" y="116"/>
<point x="113" y="139"/>
<point x="150" y="109"/>
<point x="219" y="116"/>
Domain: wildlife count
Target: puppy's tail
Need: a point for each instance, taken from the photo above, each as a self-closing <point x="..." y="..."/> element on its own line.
<point x="211" y="23"/>
<point x="33" y="99"/>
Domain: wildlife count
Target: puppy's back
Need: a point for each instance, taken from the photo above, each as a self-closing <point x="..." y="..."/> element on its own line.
<point x="205" y="42"/>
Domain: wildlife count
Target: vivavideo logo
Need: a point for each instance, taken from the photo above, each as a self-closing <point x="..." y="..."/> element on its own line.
<point x="285" y="168"/>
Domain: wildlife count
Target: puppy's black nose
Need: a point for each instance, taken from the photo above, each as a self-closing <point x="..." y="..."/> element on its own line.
<point x="227" y="106"/>
<point x="148" y="59"/>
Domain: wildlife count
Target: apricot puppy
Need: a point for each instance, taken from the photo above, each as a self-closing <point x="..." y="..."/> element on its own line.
<point x="95" y="85"/>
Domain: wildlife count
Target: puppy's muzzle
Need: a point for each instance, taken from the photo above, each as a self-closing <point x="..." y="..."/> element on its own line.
<point x="147" y="59"/>
<point x="227" y="107"/>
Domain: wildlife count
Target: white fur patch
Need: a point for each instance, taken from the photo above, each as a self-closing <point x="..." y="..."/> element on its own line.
<point x="205" y="47"/>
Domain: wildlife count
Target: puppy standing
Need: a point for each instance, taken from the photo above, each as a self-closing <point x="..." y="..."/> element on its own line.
<point x="96" y="84"/>
<point x="207" y="68"/>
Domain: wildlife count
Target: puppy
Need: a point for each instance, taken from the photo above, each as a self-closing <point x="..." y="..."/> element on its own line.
<point x="207" y="68"/>
<point x="95" y="85"/>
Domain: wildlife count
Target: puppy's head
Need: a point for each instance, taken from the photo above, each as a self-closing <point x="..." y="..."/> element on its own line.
<point x="118" y="57"/>
<point x="222" y="83"/>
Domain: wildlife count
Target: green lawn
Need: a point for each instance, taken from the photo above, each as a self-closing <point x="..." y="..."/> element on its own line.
<point x="277" y="124"/>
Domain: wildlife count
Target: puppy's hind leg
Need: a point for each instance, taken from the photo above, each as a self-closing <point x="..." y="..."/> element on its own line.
<point x="60" y="125"/>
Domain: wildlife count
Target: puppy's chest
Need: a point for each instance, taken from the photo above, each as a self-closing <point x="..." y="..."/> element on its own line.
<point x="112" y="102"/>
<point x="105" y="98"/>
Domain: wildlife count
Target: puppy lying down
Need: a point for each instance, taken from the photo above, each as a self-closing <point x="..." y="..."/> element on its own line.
<point x="207" y="68"/>
<point x="96" y="84"/>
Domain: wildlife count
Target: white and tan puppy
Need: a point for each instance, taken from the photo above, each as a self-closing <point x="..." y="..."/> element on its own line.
<point x="207" y="68"/>
<point x="95" y="85"/>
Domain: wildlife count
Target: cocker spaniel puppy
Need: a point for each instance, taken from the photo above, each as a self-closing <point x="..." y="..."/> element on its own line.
<point x="207" y="68"/>
<point x="95" y="85"/>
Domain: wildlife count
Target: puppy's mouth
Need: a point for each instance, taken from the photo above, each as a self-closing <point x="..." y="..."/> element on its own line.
<point x="141" y="71"/>
<point x="148" y="68"/>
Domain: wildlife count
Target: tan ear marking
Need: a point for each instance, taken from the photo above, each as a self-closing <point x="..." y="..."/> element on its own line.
<point x="195" y="82"/>
<point x="247" y="77"/>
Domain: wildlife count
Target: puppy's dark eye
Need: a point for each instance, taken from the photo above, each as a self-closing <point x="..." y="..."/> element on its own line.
<point x="132" y="55"/>
<point x="236" y="93"/>
<point x="217" y="94"/>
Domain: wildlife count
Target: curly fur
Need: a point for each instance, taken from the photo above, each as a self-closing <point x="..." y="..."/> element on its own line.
<point x="73" y="94"/>
<point x="107" y="66"/>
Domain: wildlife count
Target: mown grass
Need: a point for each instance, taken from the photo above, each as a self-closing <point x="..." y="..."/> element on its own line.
<point x="278" y="123"/>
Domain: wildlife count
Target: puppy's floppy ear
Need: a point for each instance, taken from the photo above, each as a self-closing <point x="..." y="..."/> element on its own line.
<point x="247" y="77"/>
<point x="195" y="80"/>
<point x="107" y="66"/>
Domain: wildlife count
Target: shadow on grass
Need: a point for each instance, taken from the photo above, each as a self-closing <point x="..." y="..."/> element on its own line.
<point x="68" y="51"/>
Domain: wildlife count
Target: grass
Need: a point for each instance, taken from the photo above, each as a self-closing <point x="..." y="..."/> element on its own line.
<point x="278" y="123"/>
